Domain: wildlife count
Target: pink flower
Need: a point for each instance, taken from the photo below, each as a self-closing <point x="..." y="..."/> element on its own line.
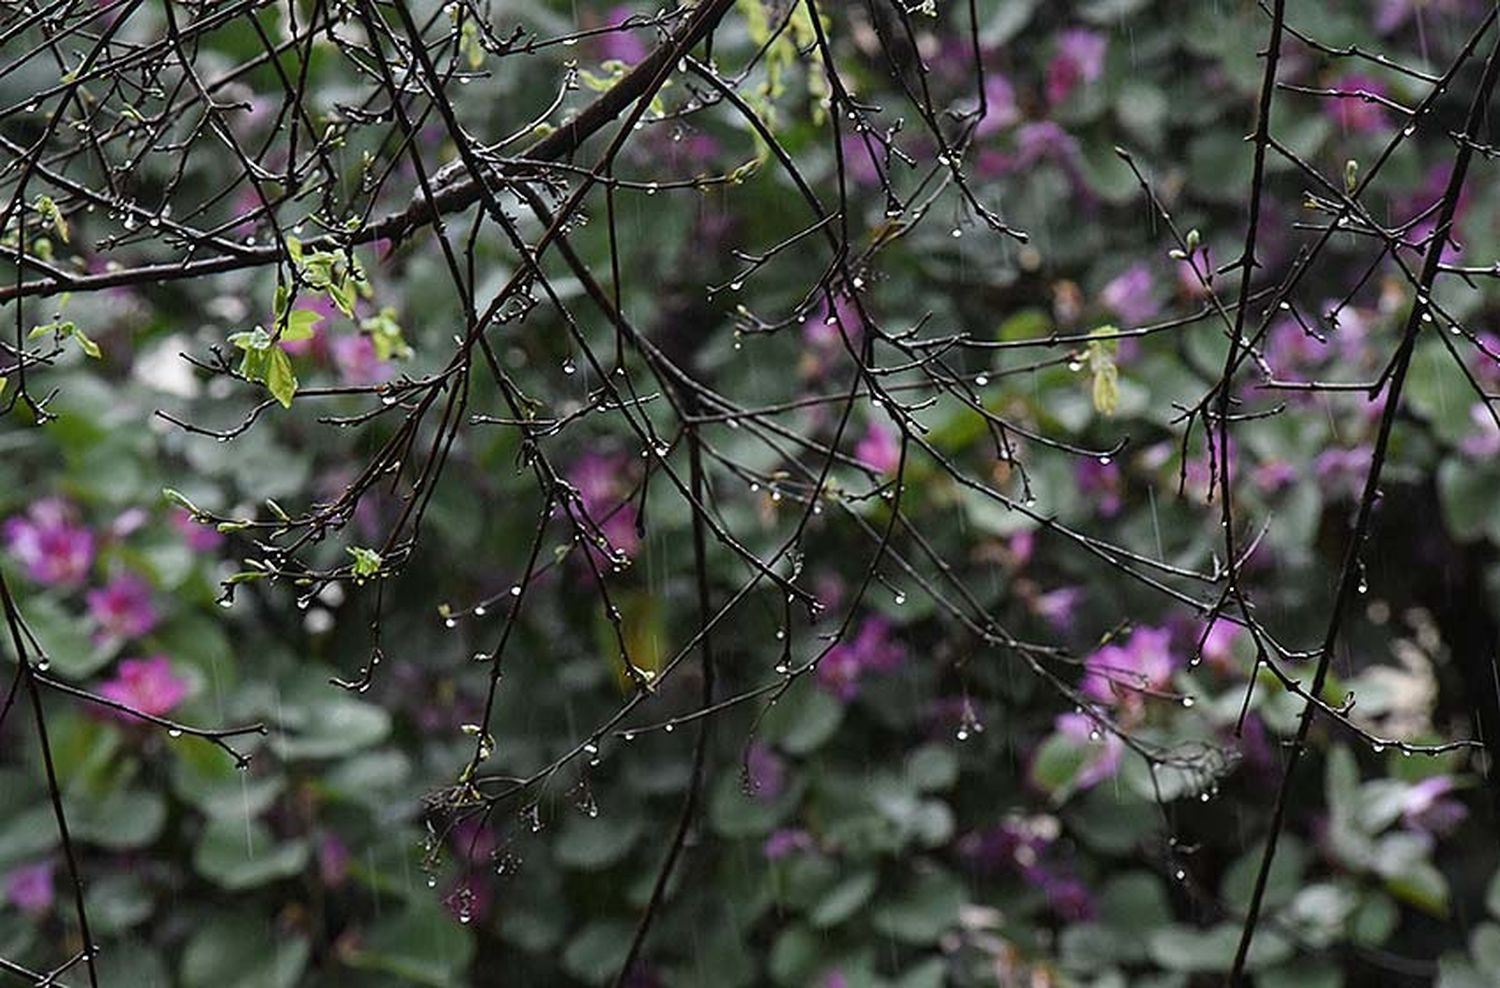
<point x="1485" y="443"/>
<point x="879" y="449"/>
<point x="333" y="860"/>
<point x="1000" y="109"/>
<point x="146" y="686"/>
<point x="872" y="650"/>
<point x="199" y="538"/>
<point x="1079" y="59"/>
<point x="354" y="356"/>
<point x="826" y="331"/>
<point x="1353" y="109"/>
<point x="864" y="159"/>
<point x="1218" y="644"/>
<point x="765" y="771"/>
<point x="786" y="842"/>
<point x="1056" y="607"/>
<point x="474" y="841"/>
<point x="1427" y="809"/>
<point x="1342" y="471"/>
<point x="1101" y="484"/>
<point x="30" y="889"/>
<point x="601" y="482"/>
<point x="1106" y="749"/>
<point x="622" y="44"/>
<point x="123" y="608"/>
<point x="53" y="547"/>
<point x="1119" y="673"/>
<point x="1128" y="295"/>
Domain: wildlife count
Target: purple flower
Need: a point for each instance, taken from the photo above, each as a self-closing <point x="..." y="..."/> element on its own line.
<point x="1000" y="109"/>
<point x="1427" y="809"/>
<point x="1485" y="443"/>
<point x="357" y="363"/>
<point x="826" y="330"/>
<point x="1101" y="483"/>
<point x="872" y="650"/>
<point x="1119" y="673"/>
<point x="879" y="448"/>
<point x="333" y="860"/>
<point x="622" y="44"/>
<point x="53" y="547"/>
<point x="864" y="159"/>
<point x="765" y="771"/>
<point x="1129" y="295"/>
<point x="1079" y="59"/>
<point x="123" y="608"/>
<point x="601" y="483"/>
<point x="835" y="979"/>
<point x="473" y="840"/>
<point x="1066" y="896"/>
<point x="1342" y="471"/>
<point x="786" y="842"/>
<point x="1218" y="644"/>
<point x="29" y="888"/>
<point x="147" y="686"/>
<point x="1056" y="607"/>
<point x="1106" y="748"/>
<point x="1354" y="109"/>
<point x="199" y="538"/>
<point x="1274" y="475"/>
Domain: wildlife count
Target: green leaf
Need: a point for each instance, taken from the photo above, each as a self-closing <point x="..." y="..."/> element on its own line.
<point x="242" y="854"/>
<point x="1184" y="948"/>
<point x="423" y="945"/>
<point x="366" y="562"/>
<point x="328" y="726"/>
<point x="844" y="899"/>
<point x="280" y="380"/>
<point x="242" y="950"/>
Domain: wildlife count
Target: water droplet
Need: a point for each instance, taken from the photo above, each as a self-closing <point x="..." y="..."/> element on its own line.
<point x="899" y="599"/>
<point x="450" y="622"/>
<point x="956" y="233"/>
<point x="480" y="611"/>
<point x="569" y="367"/>
<point x="1188" y="701"/>
<point x="981" y="381"/>
<point x="174" y="732"/>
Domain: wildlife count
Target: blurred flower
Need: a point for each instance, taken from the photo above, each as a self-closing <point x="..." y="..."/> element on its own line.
<point x="1129" y="295"/>
<point x="787" y="841"/>
<point x="601" y="479"/>
<point x="199" y="538"/>
<point x="1353" y="109"/>
<point x="1218" y="644"/>
<point x="835" y="979"/>
<point x="128" y="522"/>
<point x="1427" y="809"/>
<point x="473" y="840"/>
<point x="1100" y="483"/>
<point x="123" y="608"/>
<point x="872" y="650"/>
<point x="765" y="771"/>
<point x="1342" y="471"/>
<point x="147" y="686"/>
<point x="1484" y="444"/>
<point x="864" y="159"/>
<point x="333" y="859"/>
<point x="825" y="331"/>
<point x="357" y="363"/>
<point x="1079" y="59"/>
<point x="1067" y="896"/>
<point x="1118" y="673"/>
<point x="622" y="44"/>
<point x="1000" y="109"/>
<point x="1106" y="749"/>
<point x="48" y="541"/>
<point x="1056" y="607"/>
<point x="30" y="889"/>
<point x="879" y="448"/>
<point x="1273" y="475"/>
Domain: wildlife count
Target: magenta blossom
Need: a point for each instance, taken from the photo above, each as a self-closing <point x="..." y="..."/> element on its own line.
<point x="601" y="480"/>
<point x="621" y="44"/>
<point x="1426" y="808"/>
<point x="826" y="330"/>
<point x="1342" y="471"/>
<point x="123" y="608"/>
<point x="1101" y="484"/>
<point x="1000" y="108"/>
<point x="48" y="541"/>
<point x="864" y="159"/>
<point x="1079" y="59"/>
<point x="1106" y="749"/>
<point x="357" y="362"/>
<point x="1056" y="607"/>
<point x="1218" y="644"/>
<point x="879" y="448"/>
<point x="1129" y="295"/>
<point x="146" y="686"/>
<point x="29" y="888"/>
<point x="787" y="841"/>
<point x="1484" y="443"/>
<point x="872" y="650"/>
<point x="1356" y="108"/>
<point x="199" y="538"/>
<point x="1120" y="673"/>
<point x="333" y="860"/>
<point x="765" y="771"/>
